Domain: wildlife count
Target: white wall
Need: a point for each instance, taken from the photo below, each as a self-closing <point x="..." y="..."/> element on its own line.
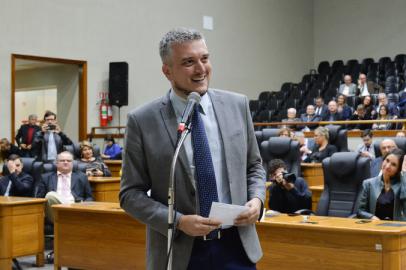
<point x="357" y="29"/>
<point x="256" y="45"/>
<point x="66" y="79"/>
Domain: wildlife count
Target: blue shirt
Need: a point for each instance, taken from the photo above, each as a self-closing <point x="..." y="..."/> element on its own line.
<point x="215" y="142"/>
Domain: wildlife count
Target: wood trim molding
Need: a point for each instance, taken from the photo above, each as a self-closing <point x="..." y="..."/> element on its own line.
<point x="82" y="65"/>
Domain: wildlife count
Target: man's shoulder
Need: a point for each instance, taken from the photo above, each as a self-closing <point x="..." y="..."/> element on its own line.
<point x="149" y="107"/>
<point x="226" y="93"/>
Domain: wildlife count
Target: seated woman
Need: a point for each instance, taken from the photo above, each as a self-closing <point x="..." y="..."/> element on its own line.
<point x="286" y="132"/>
<point x="322" y="148"/>
<point x="343" y="108"/>
<point x="384" y="196"/>
<point x="113" y="150"/>
<point x="94" y="166"/>
<point x="383" y="114"/>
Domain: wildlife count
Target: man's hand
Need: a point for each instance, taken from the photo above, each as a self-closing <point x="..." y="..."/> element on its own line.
<point x="11" y="166"/>
<point x="251" y="215"/>
<point x="195" y="225"/>
<point x="44" y="128"/>
<point x="23" y="146"/>
<point x="57" y="128"/>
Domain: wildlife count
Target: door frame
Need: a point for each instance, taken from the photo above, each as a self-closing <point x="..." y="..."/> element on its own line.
<point x="82" y="65"/>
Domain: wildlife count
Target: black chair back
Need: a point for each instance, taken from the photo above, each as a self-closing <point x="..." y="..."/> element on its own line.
<point x="281" y="148"/>
<point x="343" y="176"/>
<point x="338" y="137"/>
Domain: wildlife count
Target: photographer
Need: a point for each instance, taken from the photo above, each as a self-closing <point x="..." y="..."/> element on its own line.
<point x="49" y="142"/>
<point x="287" y="193"/>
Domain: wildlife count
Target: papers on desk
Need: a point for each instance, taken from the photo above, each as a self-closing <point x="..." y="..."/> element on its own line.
<point x="226" y="213"/>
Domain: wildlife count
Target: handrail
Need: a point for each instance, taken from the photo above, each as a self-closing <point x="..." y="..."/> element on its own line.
<point x="339" y="122"/>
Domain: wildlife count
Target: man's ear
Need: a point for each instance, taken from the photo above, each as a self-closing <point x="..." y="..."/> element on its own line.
<point x="167" y="71"/>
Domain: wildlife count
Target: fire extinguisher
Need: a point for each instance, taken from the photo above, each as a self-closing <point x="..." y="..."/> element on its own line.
<point x="103" y="113"/>
<point x="109" y="113"/>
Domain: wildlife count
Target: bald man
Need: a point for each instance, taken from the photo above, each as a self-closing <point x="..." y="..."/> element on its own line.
<point x="386" y="146"/>
<point x="348" y="88"/>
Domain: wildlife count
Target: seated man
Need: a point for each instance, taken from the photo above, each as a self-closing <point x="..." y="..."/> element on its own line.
<point x="287" y="193"/>
<point x="366" y="149"/>
<point x="291" y="114"/>
<point x="386" y="146"/>
<point x="17" y="183"/>
<point x="309" y="116"/>
<point x="332" y="113"/>
<point x="360" y="114"/>
<point x="63" y="186"/>
<point x="348" y="88"/>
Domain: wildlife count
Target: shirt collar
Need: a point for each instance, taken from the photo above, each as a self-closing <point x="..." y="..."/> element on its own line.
<point x="179" y="103"/>
<point x="66" y="174"/>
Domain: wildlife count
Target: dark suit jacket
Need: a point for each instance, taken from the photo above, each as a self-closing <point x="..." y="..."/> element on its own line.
<point x="80" y="186"/>
<point x="40" y="144"/>
<point x="324" y="110"/>
<point x="22" y="134"/>
<point x="21" y="185"/>
<point x="305" y="118"/>
<point x="336" y="116"/>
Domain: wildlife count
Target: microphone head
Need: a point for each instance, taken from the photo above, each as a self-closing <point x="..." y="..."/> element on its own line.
<point x="195" y="97"/>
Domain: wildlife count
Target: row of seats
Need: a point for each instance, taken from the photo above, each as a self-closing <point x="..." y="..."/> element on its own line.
<point x="271" y="106"/>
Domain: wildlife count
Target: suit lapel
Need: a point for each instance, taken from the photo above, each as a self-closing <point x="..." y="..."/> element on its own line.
<point x="169" y="119"/>
<point x="73" y="182"/>
<point x="54" y="181"/>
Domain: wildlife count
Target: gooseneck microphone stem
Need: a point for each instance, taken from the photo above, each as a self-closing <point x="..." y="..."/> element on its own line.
<point x="171" y="196"/>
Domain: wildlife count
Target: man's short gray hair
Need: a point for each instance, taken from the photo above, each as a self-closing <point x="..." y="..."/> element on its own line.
<point x="32" y="116"/>
<point x="176" y="36"/>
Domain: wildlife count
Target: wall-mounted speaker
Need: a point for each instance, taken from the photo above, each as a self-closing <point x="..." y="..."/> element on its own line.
<point x="118" y="84"/>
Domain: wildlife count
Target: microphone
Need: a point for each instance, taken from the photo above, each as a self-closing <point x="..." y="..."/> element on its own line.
<point x="193" y="99"/>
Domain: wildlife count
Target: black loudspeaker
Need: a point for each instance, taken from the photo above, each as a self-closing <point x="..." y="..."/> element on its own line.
<point x="118" y="84"/>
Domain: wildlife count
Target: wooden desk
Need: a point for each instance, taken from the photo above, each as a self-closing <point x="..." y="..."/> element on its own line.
<point x="313" y="173"/>
<point x="97" y="235"/>
<point x="333" y="243"/>
<point x="316" y="193"/>
<point x="114" y="166"/>
<point x="21" y="229"/>
<point x="105" y="189"/>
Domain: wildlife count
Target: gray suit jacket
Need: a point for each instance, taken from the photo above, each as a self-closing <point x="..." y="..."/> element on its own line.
<point x="351" y="91"/>
<point x="150" y="144"/>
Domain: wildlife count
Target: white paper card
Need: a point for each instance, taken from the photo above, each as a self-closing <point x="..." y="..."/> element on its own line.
<point x="226" y="213"/>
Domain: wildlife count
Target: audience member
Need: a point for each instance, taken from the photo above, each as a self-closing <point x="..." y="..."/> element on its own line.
<point x="320" y="108"/>
<point x="63" y="186"/>
<point x="342" y="108"/>
<point x="359" y="114"/>
<point x="49" y="142"/>
<point x="112" y="150"/>
<point x="305" y="145"/>
<point x="291" y="114"/>
<point x="25" y="136"/>
<point x="367" y="88"/>
<point x="366" y="149"/>
<point x="286" y="132"/>
<point x="392" y="108"/>
<point x="400" y="134"/>
<point x="94" y="166"/>
<point x="348" y="88"/>
<point x="309" y="116"/>
<point x="288" y="193"/>
<point x="370" y="112"/>
<point x="386" y="146"/>
<point x="383" y="115"/>
<point x="383" y="197"/>
<point x="322" y="149"/>
<point x="7" y="149"/>
<point x="17" y="182"/>
<point x="332" y="113"/>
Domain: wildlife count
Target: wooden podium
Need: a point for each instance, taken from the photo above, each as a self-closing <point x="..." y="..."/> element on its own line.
<point x="21" y="229"/>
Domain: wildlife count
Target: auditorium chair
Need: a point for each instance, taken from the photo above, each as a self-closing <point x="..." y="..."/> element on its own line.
<point x="343" y="176"/>
<point x="265" y="134"/>
<point x="338" y="137"/>
<point x="282" y="148"/>
<point x="399" y="141"/>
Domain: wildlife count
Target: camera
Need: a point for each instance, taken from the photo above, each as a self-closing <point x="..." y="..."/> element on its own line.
<point x="289" y="177"/>
<point x="51" y="127"/>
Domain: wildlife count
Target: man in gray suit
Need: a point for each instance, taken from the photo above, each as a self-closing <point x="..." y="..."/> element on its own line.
<point x="348" y="88"/>
<point x="151" y="136"/>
